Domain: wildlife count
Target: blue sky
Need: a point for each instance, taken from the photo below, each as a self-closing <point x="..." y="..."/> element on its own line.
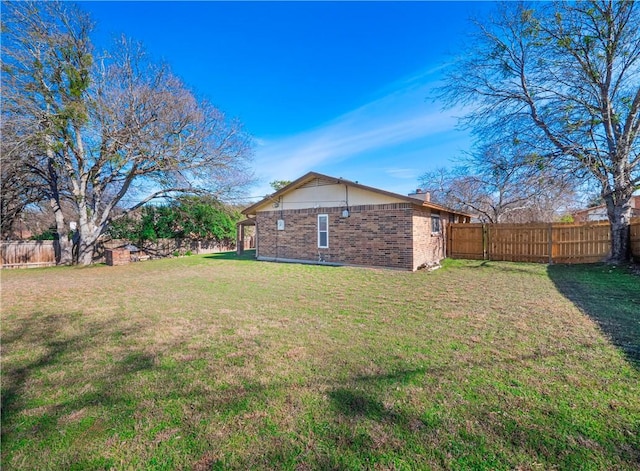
<point x="335" y="87"/>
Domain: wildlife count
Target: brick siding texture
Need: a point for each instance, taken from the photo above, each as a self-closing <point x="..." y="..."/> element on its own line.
<point x="428" y="248"/>
<point x="114" y="257"/>
<point x="391" y="235"/>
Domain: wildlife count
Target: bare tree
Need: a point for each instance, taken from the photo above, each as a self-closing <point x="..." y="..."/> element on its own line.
<point x="108" y="130"/>
<point x="19" y="189"/>
<point x="501" y="185"/>
<point x="562" y="79"/>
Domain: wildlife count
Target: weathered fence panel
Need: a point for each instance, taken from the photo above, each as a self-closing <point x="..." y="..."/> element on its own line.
<point x="546" y="243"/>
<point x="27" y="253"/>
<point x="466" y="241"/>
<point x="509" y="242"/>
<point x="582" y="243"/>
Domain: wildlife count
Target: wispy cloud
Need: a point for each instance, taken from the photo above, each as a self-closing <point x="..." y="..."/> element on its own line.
<point x="404" y="173"/>
<point x="383" y="133"/>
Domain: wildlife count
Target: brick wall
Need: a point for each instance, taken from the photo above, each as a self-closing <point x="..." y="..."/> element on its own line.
<point x="428" y="248"/>
<point x="115" y="257"/>
<point x="372" y="235"/>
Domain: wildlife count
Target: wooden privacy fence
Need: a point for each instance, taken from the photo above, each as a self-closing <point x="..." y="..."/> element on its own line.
<point x="546" y="243"/>
<point x="42" y="253"/>
<point x="28" y="253"/>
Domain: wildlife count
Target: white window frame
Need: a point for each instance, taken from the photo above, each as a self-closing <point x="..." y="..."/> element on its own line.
<point x="326" y="216"/>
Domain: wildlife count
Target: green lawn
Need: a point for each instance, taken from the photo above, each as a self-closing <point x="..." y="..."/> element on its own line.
<point x="215" y="362"/>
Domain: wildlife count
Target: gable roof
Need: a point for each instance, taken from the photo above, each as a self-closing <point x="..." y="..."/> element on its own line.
<point x="303" y="180"/>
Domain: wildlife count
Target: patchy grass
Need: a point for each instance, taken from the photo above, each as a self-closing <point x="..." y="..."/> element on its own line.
<point x="211" y="362"/>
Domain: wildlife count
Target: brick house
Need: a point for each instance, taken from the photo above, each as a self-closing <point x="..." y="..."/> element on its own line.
<point x="327" y="220"/>
<point x="599" y="213"/>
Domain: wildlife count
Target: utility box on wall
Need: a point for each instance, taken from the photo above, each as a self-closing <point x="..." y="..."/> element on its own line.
<point x="280" y="224"/>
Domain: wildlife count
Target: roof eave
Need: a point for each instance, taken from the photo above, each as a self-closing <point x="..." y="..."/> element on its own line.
<point x="311" y="175"/>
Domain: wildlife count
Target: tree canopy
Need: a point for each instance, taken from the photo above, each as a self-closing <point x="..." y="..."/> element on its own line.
<point x="107" y="132"/>
<point x="189" y="217"/>
<point x="562" y="80"/>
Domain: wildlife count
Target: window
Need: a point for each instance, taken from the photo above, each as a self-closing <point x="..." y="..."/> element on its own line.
<point x="435" y="224"/>
<point x="323" y="231"/>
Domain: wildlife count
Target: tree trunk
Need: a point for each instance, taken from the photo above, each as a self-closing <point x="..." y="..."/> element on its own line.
<point x="619" y="243"/>
<point x="66" y="247"/>
<point x="66" y="253"/>
<point x="85" y="252"/>
<point x="619" y="213"/>
<point x="87" y="242"/>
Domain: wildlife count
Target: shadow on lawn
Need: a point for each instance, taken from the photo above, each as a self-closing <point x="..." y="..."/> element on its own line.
<point x="512" y="267"/>
<point x="610" y="296"/>
<point x="247" y="256"/>
<point x="353" y="403"/>
<point x="59" y="349"/>
<point x="361" y="428"/>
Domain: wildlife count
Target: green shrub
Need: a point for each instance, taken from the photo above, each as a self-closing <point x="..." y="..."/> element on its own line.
<point x="49" y="234"/>
<point x="186" y="218"/>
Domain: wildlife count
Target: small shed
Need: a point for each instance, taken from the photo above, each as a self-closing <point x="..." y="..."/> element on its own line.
<point x="115" y="257"/>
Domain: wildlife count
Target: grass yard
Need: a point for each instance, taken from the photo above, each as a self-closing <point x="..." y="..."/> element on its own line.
<point x="215" y="362"/>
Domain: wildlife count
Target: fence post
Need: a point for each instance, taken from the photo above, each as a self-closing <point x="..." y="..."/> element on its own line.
<point x="446" y="237"/>
<point x="550" y="237"/>
<point x="485" y="242"/>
